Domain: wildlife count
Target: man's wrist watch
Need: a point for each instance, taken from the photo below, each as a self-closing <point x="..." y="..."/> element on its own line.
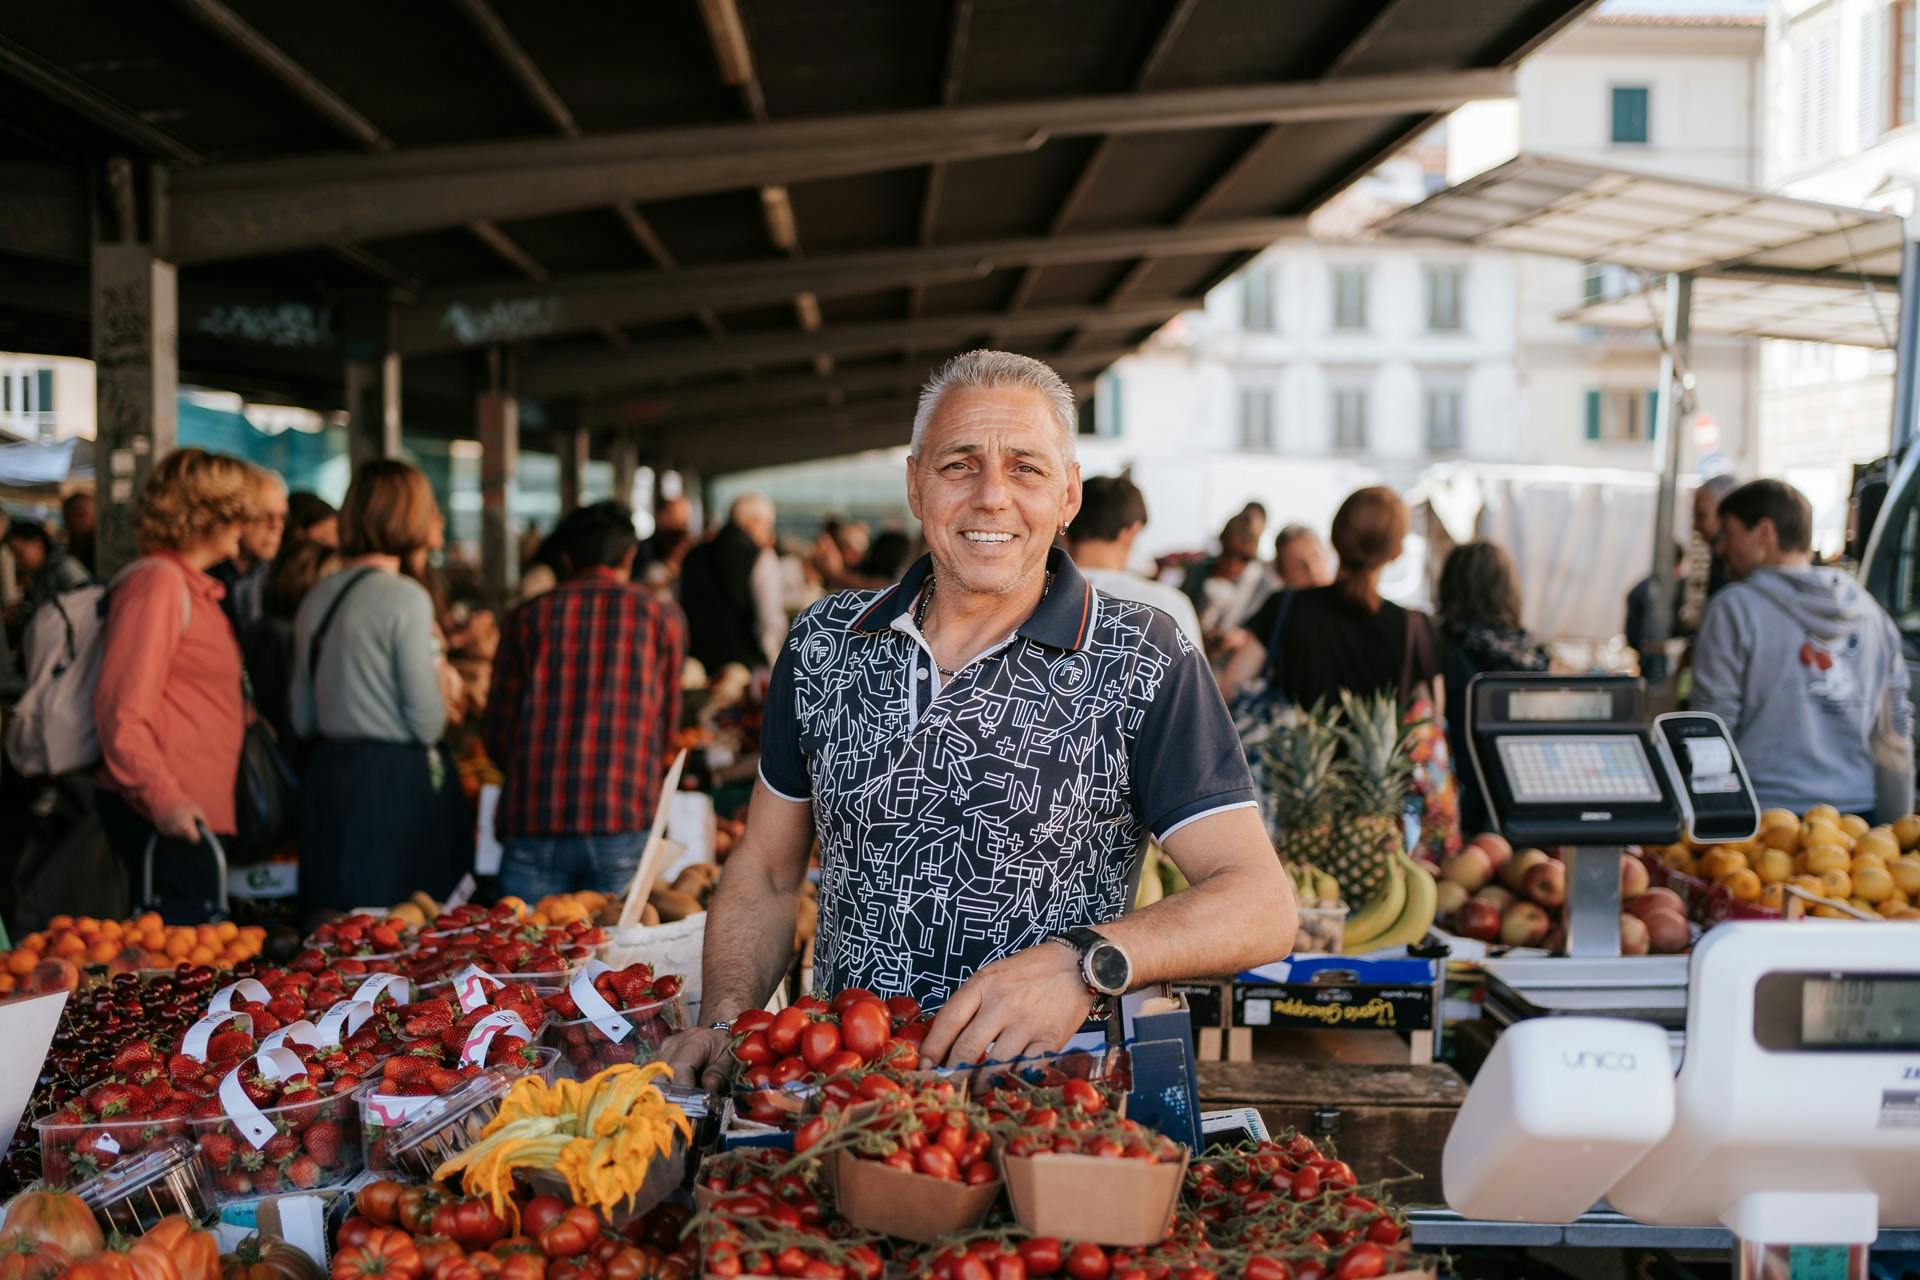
<point x="1104" y="966"/>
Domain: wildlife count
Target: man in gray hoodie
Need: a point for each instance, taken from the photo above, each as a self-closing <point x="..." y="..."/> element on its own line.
<point x="1804" y="666"/>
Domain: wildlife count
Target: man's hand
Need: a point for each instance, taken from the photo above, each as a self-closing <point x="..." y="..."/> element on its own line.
<point x="182" y="822"/>
<point x="1029" y="1003"/>
<point x="699" y="1055"/>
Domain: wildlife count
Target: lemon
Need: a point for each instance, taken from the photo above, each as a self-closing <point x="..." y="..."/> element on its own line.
<point x="1744" y="885"/>
<point x="1822" y="813"/>
<point x="1837" y="884"/>
<point x="1822" y="858"/>
<point x="1773" y="866"/>
<point x="1782" y="837"/>
<point x="1880" y="843"/>
<point x="1872" y="883"/>
<point x="1906" y="874"/>
<point x="1854" y="825"/>
<point x="1907" y="831"/>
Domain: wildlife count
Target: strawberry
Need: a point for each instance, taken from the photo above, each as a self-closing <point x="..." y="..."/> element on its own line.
<point x="405" y="1067"/>
<point x="182" y="1067"/>
<point x="635" y="988"/>
<point x="207" y="1108"/>
<point x="303" y="1171"/>
<point x="219" y="1148"/>
<point x="236" y="1183"/>
<point x="346" y="1082"/>
<point x="323" y="1141"/>
<point x="564" y="1005"/>
<point x="266" y="1179"/>
<point x="287" y="1008"/>
<point x="259" y="1090"/>
<point x="110" y="1100"/>
<point x="443" y="1079"/>
<point x="432" y="1019"/>
<point x="280" y="1146"/>
<point x="135" y="1057"/>
<point x="229" y="1045"/>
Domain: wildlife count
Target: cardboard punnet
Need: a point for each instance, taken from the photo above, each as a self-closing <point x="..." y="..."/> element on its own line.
<point x="1099" y="1199"/>
<point x="913" y="1206"/>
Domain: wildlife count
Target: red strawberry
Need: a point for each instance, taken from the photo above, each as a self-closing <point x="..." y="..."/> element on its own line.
<point x="347" y="1082"/>
<point x="442" y="1079"/>
<point x="259" y="1090"/>
<point x="207" y="1108"/>
<point x="399" y="1070"/>
<point x="303" y="1171"/>
<point x="287" y="1008"/>
<point x="182" y="1067"/>
<point x="136" y="1057"/>
<point x="323" y="1140"/>
<point x="229" y="1045"/>
<point x="280" y="1146"/>
<point x="110" y="1100"/>
<point x="236" y="1183"/>
<point x="266" y="1179"/>
<point x="635" y="988"/>
<point x="218" y="1147"/>
<point x="434" y="1018"/>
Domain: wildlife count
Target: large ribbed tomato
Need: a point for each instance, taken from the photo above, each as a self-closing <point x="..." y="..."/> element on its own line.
<point x="257" y="1259"/>
<point x="24" y="1259"/>
<point x="195" y="1254"/>
<point x="55" y="1218"/>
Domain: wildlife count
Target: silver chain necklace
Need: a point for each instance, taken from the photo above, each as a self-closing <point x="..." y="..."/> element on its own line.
<point x="926" y="603"/>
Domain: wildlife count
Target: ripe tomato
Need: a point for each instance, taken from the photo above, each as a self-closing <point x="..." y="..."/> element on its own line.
<point x="865" y="1028"/>
<point x="1337" y="1173"/>
<point x="1362" y="1262"/>
<point x="914" y="1033"/>
<point x="1305" y="1184"/>
<point x="980" y="1173"/>
<point x="1383" y="1231"/>
<point x="752" y="1020"/>
<point x="840" y="1063"/>
<point x="818" y="1042"/>
<point x="788" y="1070"/>
<point x="809" y="1133"/>
<point x="784" y="1034"/>
<point x="938" y="1162"/>
<point x="377" y="1200"/>
<point x="754" y="1051"/>
<point x="1088" y="1262"/>
<point x="1262" y="1268"/>
<point x="1041" y="1254"/>
<point x="901" y="1055"/>
<point x="849" y="996"/>
<point x="1082" y="1094"/>
<point x="812" y="1004"/>
<point x="872" y="1087"/>
<point x="564" y="1239"/>
<point x="903" y="1008"/>
<point x="541" y="1212"/>
<point x="354" y="1232"/>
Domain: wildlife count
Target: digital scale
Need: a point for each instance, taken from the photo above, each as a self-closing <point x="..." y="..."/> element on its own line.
<point x="1793" y="1122"/>
<point x="1572" y="761"/>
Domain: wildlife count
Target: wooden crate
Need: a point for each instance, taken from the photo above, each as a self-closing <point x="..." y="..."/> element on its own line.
<point x="1379" y="1116"/>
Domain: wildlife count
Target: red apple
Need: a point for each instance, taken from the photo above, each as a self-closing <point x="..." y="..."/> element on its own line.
<point x="1479" y="919"/>
<point x="1634" y="938"/>
<point x="1524" y="924"/>
<point x="1494" y="894"/>
<point x="1470" y="868"/>
<point x="1513" y="875"/>
<point x="1657" y="900"/>
<point x="1496" y="846"/>
<point x="1546" y="883"/>
<point x="1667" y="932"/>
<point x="1633" y="877"/>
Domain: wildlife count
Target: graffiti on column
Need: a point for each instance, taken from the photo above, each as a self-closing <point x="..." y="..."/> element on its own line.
<point x="501" y="320"/>
<point x="293" y="325"/>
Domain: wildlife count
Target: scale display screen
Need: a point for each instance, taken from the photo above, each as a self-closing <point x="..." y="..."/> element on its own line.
<point x="1591" y="705"/>
<point x="1578" y="769"/>
<point x="1880" y="1013"/>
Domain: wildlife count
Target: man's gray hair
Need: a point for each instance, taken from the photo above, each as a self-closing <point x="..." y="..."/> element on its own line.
<point x="986" y="370"/>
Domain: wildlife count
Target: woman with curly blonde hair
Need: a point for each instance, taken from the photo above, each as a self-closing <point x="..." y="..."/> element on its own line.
<point x="168" y="706"/>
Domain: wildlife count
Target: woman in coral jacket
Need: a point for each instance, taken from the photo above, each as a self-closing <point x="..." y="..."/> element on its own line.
<point x="169" y="706"/>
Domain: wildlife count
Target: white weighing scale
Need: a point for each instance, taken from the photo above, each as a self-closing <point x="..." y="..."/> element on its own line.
<point x="1794" y="1121"/>
<point x="1573" y="761"/>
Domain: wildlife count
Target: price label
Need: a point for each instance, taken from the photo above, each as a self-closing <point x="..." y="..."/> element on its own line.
<point x="343" y="1019"/>
<point x="246" y="1116"/>
<point x="506" y="1022"/>
<point x="370" y="990"/>
<point x="594" y="1006"/>
<point x="194" y="1043"/>
<point x="474" y="987"/>
<point x="252" y="988"/>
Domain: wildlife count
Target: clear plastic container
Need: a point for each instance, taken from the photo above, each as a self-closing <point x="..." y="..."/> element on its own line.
<point x="587" y="1050"/>
<point x="75" y="1153"/>
<point x="382" y="1116"/>
<point x="1323" y="930"/>
<point x="169" y="1177"/>
<point x="325" y="1130"/>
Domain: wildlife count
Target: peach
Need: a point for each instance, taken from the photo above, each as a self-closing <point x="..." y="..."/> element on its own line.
<point x="1634" y="939"/>
<point x="1470" y="868"/>
<point x="1633" y="877"/>
<point x="1667" y="932"/>
<point x="1524" y="924"/>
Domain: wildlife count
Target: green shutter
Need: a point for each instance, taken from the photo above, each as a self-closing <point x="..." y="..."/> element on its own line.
<point x="1629" y="113"/>
<point x="1593" y="415"/>
<point x="1653" y="413"/>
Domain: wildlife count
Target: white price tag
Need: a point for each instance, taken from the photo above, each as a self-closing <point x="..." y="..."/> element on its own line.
<point x="342" y="1020"/>
<point x="301" y="1032"/>
<point x="506" y="1021"/>
<point x="392" y="1109"/>
<point x="277" y="1062"/>
<point x="461" y="892"/>
<point x="370" y="990"/>
<point x="473" y="987"/>
<point x="594" y="1006"/>
<point x="246" y="1116"/>
<point x="194" y="1043"/>
<point x="252" y="988"/>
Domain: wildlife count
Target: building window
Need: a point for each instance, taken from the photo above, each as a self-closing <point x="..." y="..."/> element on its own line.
<point x="1873" y="75"/>
<point x="1630" y="109"/>
<point x="1813" y="95"/>
<point x="26" y="403"/>
<point x="1107" y="402"/>
<point x="1446" y="283"/>
<point x="1620" y="415"/>
<point x="1256" y="300"/>
<point x="1445" y="407"/>
<point x="1899" y="62"/>
<point x="1349" y="298"/>
<point x="1350" y="417"/>
<point x="1256" y="419"/>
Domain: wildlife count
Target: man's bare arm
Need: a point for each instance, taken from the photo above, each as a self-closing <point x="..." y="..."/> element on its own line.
<point x="749" y="940"/>
<point x="1238" y="912"/>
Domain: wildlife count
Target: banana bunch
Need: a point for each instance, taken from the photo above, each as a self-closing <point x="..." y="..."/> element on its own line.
<point x="1312" y="886"/>
<point x="1400" y="915"/>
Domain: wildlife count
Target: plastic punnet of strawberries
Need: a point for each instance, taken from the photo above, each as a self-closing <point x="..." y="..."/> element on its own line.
<point x="513" y="948"/>
<point x="360" y="934"/>
<point x="434" y="1034"/>
<point x="816" y="1039"/>
<point x="316" y="1139"/>
<point x="649" y="1005"/>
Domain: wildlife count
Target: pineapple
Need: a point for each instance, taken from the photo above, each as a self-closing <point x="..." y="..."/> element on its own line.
<point x="1368" y="823"/>
<point x="1301" y="775"/>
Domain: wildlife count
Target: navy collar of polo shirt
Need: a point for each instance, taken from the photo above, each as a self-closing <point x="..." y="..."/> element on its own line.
<point x="1061" y="620"/>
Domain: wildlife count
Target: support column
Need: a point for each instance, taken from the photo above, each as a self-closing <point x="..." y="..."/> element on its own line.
<point x="136" y="351"/>
<point x="571" y="445"/>
<point x="497" y="414"/>
<point x="1907" y="348"/>
<point x="372" y="382"/>
<point x="1675" y="399"/>
<point x="625" y="453"/>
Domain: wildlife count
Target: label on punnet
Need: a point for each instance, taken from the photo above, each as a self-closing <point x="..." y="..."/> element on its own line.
<point x="342" y="1020"/>
<point x="370" y="990"/>
<point x="194" y="1043"/>
<point x="505" y="1022"/>
<point x="252" y="988"/>
<point x="594" y="1006"/>
<point x="474" y="986"/>
<point x="247" y="1117"/>
<point x="393" y="1109"/>
<point x="301" y="1032"/>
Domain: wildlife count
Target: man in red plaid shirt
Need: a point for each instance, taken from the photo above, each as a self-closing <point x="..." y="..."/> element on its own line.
<point x="582" y="715"/>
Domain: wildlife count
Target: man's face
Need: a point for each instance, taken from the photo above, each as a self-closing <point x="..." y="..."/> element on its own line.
<point x="991" y="486"/>
<point x="260" y="536"/>
<point x="1743" y="547"/>
<point x="28" y="554"/>
<point x="1302" y="564"/>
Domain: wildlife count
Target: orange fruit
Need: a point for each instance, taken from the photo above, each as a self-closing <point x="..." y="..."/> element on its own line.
<point x="58" y="923"/>
<point x="178" y="947"/>
<point x="201" y="955"/>
<point x="1744" y="885"/>
<point x="226" y="931"/>
<point x="21" y="962"/>
<point x="102" y="951"/>
<point x="70" y="944"/>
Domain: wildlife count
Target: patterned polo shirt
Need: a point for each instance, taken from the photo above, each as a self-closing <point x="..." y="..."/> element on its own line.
<point x="965" y="820"/>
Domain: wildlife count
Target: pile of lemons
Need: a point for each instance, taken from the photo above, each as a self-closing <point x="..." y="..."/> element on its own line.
<point x="1832" y="855"/>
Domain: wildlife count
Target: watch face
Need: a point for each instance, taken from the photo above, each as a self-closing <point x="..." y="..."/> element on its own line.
<point x="1107" y="965"/>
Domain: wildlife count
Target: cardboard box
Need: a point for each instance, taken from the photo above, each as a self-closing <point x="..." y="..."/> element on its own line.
<point x="1106" y="1201"/>
<point x="913" y="1206"/>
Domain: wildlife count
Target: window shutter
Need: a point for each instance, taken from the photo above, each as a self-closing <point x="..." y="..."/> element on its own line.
<point x="1593" y="414"/>
<point x="1873" y="74"/>
<point x="1653" y="412"/>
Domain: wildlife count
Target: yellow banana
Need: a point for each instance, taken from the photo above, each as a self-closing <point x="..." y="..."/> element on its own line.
<point x="1417" y="917"/>
<point x="1379" y="915"/>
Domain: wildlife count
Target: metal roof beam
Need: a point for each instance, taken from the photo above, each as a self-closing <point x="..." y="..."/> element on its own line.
<point x="236" y="210"/>
<point x="450" y="319"/>
<point x="596" y="372"/>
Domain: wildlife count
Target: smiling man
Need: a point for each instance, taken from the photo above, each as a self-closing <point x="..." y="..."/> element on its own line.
<point x="982" y="751"/>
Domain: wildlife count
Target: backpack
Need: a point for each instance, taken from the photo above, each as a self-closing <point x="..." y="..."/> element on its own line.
<point x="51" y="730"/>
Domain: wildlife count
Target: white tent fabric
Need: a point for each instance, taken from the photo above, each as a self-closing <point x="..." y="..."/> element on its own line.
<point x="30" y="465"/>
